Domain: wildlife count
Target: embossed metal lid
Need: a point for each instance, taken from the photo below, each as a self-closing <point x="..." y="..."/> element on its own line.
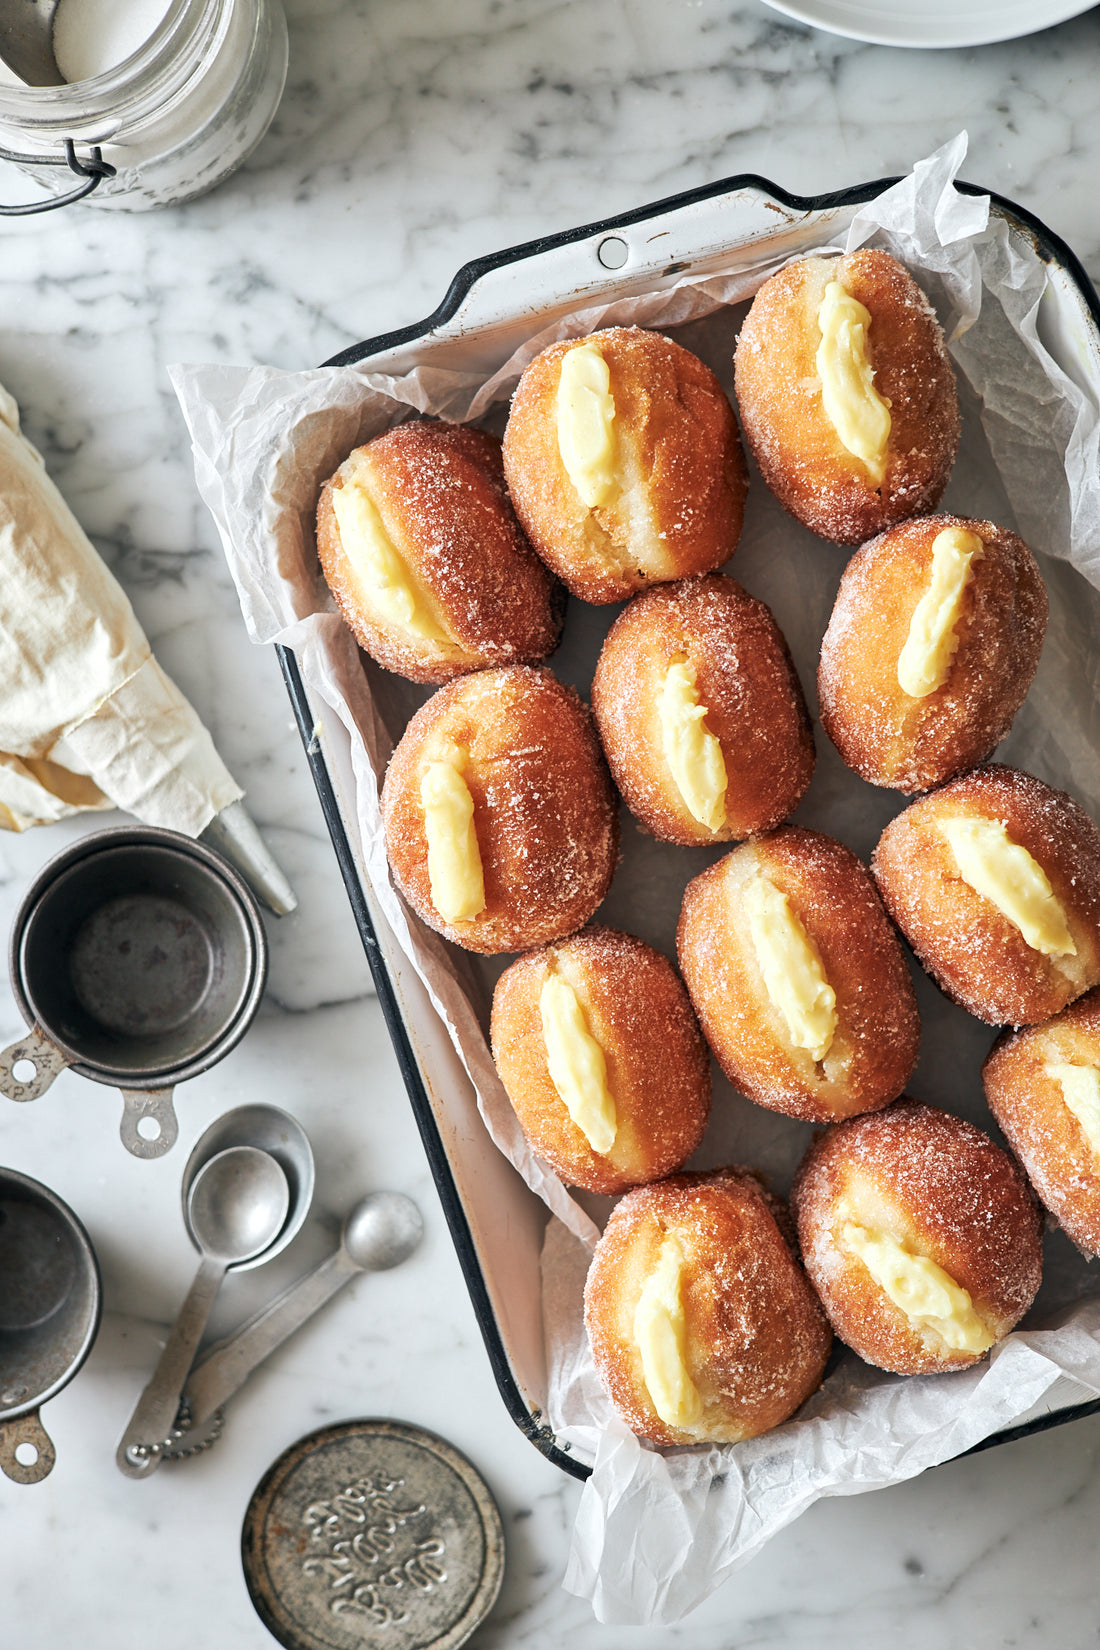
<point x="372" y="1532"/>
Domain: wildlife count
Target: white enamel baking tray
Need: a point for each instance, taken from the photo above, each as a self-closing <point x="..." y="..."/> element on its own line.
<point x="494" y="304"/>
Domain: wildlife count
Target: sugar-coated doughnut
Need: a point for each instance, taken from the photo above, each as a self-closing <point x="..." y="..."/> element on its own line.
<point x="922" y="1238"/>
<point x="424" y="556"/>
<point x="930" y="650"/>
<point x="846" y="394"/>
<point x="499" y="814"/>
<point x="994" y="880"/>
<point x="798" y="977"/>
<point x="702" y="1323"/>
<point x="602" y="1057"/>
<point x="624" y="463"/>
<point x="701" y="714"/>
<point x="1043" y="1087"/>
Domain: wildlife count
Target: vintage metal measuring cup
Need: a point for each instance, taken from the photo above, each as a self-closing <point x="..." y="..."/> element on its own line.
<point x="50" y="1303"/>
<point x="138" y="958"/>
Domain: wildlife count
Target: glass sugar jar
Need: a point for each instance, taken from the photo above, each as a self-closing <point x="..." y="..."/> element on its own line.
<point x="171" y="120"/>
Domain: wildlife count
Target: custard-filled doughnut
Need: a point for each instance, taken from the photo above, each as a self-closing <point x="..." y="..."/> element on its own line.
<point x="798" y="978"/>
<point x="499" y="815"/>
<point x="426" y="560"/>
<point x="1043" y="1087"/>
<point x="624" y="463"/>
<point x="995" y="882"/>
<point x="701" y="715"/>
<point x="846" y="394"/>
<point x="930" y="650"/>
<point x="923" y="1238"/>
<point x="595" y="1041"/>
<point x="702" y="1323"/>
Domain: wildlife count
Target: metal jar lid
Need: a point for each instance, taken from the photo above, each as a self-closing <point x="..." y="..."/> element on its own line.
<point x="368" y="1533"/>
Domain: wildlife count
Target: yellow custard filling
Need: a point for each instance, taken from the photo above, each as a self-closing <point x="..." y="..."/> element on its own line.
<point x="454" y="858"/>
<point x="794" y="976"/>
<point x="858" y="413"/>
<point x="660" y="1333"/>
<point x="932" y="643"/>
<point x="693" y="754"/>
<point x="380" y="568"/>
<point x="578" y="1069"/>
<point x="586" y="425"/>
<point x="929" y="1297"/>
<point x="1004" y="873"/>
<point x="1080" y="1087"/>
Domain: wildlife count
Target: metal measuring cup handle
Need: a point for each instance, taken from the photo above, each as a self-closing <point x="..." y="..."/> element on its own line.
<point x="26" y="1429"/>
<point x="48" y="1060"/>
<point x="154" y="1103"/>
<point x="35" y="1049"/>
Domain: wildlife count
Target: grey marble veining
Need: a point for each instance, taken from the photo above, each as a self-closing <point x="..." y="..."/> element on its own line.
<point x="412" y="138"/>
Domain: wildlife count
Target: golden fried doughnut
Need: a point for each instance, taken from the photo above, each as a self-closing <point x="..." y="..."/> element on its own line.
<point x="700" y="713"/>
<point x="995" y="882"/>
<point x="702" y="1324"/>
<point x="921" y="1236"/>
<point x="798" y="977"/>
<point x="595" y="1041"/>
<point x="931" y="648"/>
<point x="846" y="394"/>
<point x="426" y="560"/>
<point x="624" y="463"/>
<point x="1043" y="1087"/>
<point x="499" y="815"/>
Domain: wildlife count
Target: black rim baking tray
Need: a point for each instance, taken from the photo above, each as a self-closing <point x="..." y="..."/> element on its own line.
<point x="835" y="207"/>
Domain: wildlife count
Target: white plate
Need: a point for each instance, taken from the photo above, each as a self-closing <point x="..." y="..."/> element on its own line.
<point x="931" y="22"/>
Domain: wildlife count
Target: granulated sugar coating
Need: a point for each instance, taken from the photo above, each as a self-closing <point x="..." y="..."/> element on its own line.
<point x="755" y="1337"/>
<point x="973" y="951"/>
<point x="799" y="452"/>
<point x="908" y="743"/>
<point x="439" y="493"/>
<point x="941" y="1189"/>
<point x="1029" y="1101"/>
<point x="680" y="472"/>
<point x="754" y="707"/>
<point x="658" y="1068"/>
<point x="544" y="813"/>
<point x="874" y="1045"/>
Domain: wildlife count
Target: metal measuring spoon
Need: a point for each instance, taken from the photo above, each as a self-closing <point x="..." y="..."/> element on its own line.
<point x="236" y="1208"/>
<point x="26" y="41"/>
<point x="381" y="1231"/>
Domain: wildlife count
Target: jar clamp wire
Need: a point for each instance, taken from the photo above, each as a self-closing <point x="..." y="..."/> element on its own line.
<point x="170" y="121"/>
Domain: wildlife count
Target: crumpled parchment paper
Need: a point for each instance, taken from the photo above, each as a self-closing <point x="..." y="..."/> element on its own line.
<point x="657" y="1531"/>
<point x="88" y="719"/>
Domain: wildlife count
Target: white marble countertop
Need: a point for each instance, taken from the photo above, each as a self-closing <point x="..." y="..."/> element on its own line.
<point x="414" y="137"/>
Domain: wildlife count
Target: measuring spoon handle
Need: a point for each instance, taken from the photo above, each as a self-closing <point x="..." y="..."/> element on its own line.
<point x="155" y="1415"/>
<point x="227" y="1368"/>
